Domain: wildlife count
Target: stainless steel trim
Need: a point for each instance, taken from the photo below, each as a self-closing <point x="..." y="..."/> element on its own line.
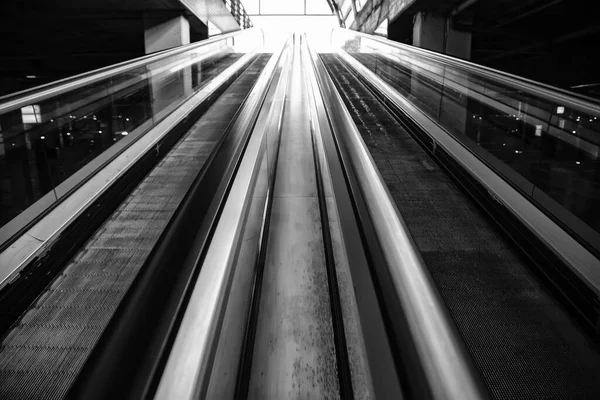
<point x="42" y="234"/>
<point x="560" y="96"/>
<point x="580" y="260"/>
<point x="187" y="371"/>
<point x="372" y="353"/>
<point x="18" y="100"/>
<point x="445" y="362"/>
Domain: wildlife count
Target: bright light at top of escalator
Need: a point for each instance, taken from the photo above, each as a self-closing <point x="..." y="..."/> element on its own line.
<point x="578" y="162"/>
<point x="287" y="7"/>
<point x="279" y="19"/>
<point x="124" y="133"/>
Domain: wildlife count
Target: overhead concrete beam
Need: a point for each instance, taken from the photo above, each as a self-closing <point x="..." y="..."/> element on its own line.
<point x="213" y="11"/>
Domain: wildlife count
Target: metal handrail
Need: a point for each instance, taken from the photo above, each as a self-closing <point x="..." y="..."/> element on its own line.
<point x="447" y="369"/>
<point x="187" y="370"/>
<point x="552" y="93"/>
<point x="32" y="96"/>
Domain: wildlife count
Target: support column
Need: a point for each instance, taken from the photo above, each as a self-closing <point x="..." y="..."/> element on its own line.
<point x="458" y="43"/>
<point x="428" y="31"/>
<point x="164" y="31"/>
<point x="434" y="32"/>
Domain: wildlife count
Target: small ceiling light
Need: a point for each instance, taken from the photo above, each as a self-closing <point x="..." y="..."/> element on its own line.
<point x="30" y="76"/>
<point x="124" y="133"/>
<point x="42" y="137"/>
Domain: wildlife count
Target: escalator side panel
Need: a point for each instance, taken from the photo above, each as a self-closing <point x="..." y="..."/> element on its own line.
<point x="522" y="339"/>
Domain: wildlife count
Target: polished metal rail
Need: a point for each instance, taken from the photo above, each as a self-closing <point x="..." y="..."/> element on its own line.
<point x="446" y="367"/>
<point x="24" y="98"/>
<point x="187" y="371"/>
<point x="560" y="96"/>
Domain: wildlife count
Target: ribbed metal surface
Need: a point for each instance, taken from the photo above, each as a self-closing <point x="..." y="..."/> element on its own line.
<point x="520" y="337"/>
<point x="42" y="354"/>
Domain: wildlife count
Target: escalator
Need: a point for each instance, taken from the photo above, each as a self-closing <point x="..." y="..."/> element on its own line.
<point x="521" y="336"/>
<point x="302" y="225"/>
<point x="46" y="343"/>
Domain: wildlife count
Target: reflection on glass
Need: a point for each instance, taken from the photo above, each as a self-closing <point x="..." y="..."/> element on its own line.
<point x="45" y="147"/>
<point x="554" y="147"/>
<point x="31" y="114"/>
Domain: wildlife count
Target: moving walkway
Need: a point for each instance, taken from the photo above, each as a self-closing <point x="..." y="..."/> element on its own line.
<point x="294" y="225"/>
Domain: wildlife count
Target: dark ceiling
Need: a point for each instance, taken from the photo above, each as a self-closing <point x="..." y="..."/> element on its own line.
<point x="552" y="41"/>
<point x="53" y="40"/>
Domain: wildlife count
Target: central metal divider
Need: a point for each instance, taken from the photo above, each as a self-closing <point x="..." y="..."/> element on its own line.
<point x="311" y="285"/>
